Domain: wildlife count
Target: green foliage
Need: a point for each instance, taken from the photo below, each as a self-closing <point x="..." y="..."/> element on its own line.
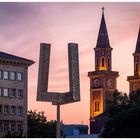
<point x="39" y="127"/>
<point x="124" y="114"/>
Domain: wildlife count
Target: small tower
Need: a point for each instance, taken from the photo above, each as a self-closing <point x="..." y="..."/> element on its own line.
<point x="134" y="81"/>
<point x="103" y="79"/>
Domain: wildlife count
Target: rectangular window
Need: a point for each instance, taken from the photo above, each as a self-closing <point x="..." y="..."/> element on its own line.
<point x="6" y="126"/>
<point x="5" y="92"/>
<point x="20" y="110"/>
<point x="19" y="76"/>
<point x="12" y="76"/>
<point x="0" y="74"/>
<point x="6" y="109"/>
<point x="5" y="75"/>
<point x="0" y="109"/>
<point x="0" y="91"/>
<point x="20" y="93"/>
<point x="13" y="110"/>
<point x="19" y="127"/>
<point x="13" y="126"/>
<point x="0" y="126"/>
<point x="13" y="92"/>
<point x="97" y="106"/>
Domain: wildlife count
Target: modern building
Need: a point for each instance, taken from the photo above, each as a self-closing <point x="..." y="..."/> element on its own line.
<point x="103" y="81"/>
<point x="13" y="94"/>
<point x="134" y="81"/>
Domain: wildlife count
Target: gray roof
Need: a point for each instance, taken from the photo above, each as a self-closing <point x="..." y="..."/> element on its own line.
<point x="12" y="58"/>
<point x="103" y="40"/>
<point x="137" y="50"/>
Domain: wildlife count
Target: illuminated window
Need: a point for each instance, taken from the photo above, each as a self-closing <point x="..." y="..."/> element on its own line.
<point x="6" y="75"/>
<point x="103" y="62"/>
<point x="97" y="105"/>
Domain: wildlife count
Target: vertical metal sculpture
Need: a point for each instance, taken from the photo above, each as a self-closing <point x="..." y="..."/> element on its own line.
<point x="74" y="82"/>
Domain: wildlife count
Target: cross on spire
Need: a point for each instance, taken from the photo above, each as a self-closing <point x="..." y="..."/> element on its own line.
<point x="103" y="10"/>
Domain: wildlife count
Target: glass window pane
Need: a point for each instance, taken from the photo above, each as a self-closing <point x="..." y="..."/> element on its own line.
<point x="0" y="92"/>
<point x="6" y="126"/>
<point x="13" y="126"/>
<point x="13" y="109"/>
<point x="19" y="76"/>
<point x="5" y="75"/>
<point x="13" y="92"/>
<point x="5" y="92"/>
<point x="6" y="109"/>
<point x="12" y="76"/>
<point x="20" y="93"/>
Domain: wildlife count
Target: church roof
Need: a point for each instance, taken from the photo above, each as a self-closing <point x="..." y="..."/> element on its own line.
<point x="103" y="40"/>
<point x="137" y="50"/>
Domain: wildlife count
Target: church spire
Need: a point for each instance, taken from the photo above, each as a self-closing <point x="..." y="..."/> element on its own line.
<point x="103" y="40"/>
<point x="137" y="50"/>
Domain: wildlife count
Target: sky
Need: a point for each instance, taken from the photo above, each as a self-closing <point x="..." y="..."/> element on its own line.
<point x="23" y="26"/>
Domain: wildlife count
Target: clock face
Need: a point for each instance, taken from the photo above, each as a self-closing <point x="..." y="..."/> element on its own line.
<point x="96" y="83"/>
<point x="109" y="82"/>
<point x="135" y="86"/>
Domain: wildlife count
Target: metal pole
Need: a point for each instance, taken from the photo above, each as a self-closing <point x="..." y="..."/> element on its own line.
<point x="58" y="122"/>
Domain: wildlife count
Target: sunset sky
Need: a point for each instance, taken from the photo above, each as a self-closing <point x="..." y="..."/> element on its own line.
<point x="23" y="26"/>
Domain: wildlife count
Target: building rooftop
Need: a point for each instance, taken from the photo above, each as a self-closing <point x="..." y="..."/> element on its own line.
<point x="8" y="58"/>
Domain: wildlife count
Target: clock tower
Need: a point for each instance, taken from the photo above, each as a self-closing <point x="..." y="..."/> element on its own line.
<point x="103" y="80"/>
<point x="134" y="81"/>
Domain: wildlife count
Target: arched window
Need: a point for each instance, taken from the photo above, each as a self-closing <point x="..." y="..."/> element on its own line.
<point x="108" y="62"/>
<point x="97" y="62"/>
<point x="136" y="67"/>
<point x="97" y="106"/>
<point x="103" y="62"/>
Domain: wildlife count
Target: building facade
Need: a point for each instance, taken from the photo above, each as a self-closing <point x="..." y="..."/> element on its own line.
<point x="134" y="81"/>
<point x="13" y="94"/>
<point x="103" y="80"/>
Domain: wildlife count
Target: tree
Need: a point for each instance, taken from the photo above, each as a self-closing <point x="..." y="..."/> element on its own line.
<point x="124" y="115"/>
<point x="39" y="127"/>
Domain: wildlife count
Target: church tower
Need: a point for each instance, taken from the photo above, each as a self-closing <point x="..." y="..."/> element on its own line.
<point x="103" y="80"/>
<point x="134" y="81"/>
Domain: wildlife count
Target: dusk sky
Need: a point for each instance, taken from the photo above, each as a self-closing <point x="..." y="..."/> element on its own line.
<point x="23" y="26"/>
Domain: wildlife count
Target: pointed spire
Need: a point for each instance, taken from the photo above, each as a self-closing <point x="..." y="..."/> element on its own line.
<point x="103" y="40"/>
<point x="137" y="50"/>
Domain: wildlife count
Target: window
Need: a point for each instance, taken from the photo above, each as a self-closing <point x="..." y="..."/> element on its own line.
<point x="20" y="110"/>
<point x="5" y="92"/>
<point x="97" y="105"/>
<point x="13" y="92"/>
<point x="12" y="76"/>
<point x="6" y="126"/>
<point x="0" y="109"/>
<point x="6" y="109"/>
<point x="20" y="93"/>
<point x="0" y="74"/>
<point x="13" y="110"/>
<point x="103" y="62"/>
<point x="136" y="67"/>
<point x="19" y="76"/>
<point x="19" y="127"/>
<point x="0" y="92"/>
<point x="108" y="62"/>
<point x="97" y="62"/>
<point x="13" y="126"/>
<point x="5" y="75"/>
<point x="0" y="126"/>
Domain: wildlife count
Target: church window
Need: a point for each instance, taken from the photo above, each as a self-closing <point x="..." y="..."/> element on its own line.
<point x="97" y="62"/>
<point x="136" y="67"/>
<point x="108" y="62"/>
<point x="103" y="62"/>
<point x="97" y="105"/>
